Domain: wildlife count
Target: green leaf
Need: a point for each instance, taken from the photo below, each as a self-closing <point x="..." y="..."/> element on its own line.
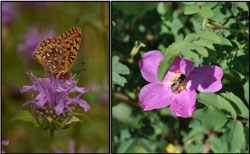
<point x="210" y="117"/>
<point x="191" y="55"/>
<point x="125" y="145"/>
<point x="240" y="107"/>
<point x="246" y="91"/>
<point x="235" y="136"/>
<point x="203" y="43"/>
<point x="194" y="134"/>
<point x="145" y="144"/>
<point x="243" y="6"/>
<point x="211" y="37"/>
<point x="201" y="50"/>
<point x="118" y="70"/>
<point x="191" y="10"/>
<point x="225" y="41"/>
<point x="206" y="12"/>
<point x="161" y="8"/>
<point x="165" y="65"/>
<point x="235" y="10"/>
<point x="122" y="112"/>
<point x="191" y="37"/>
<point x="26" y="116"/>
<point x="218" y="145"/>
<point x="211" y="99"/>
<point x="247" y="133"/>
<point x="194" y="148"/>
<point x="170" y="54"/>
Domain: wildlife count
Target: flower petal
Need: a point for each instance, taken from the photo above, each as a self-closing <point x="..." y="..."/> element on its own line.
<point x="155" y="96"/>
<point x="149" y="65"/>
<point x="180" y="65"/>
<point x="206" y="78"/>
<point x="184" y="103"/>
<point x="82" y="103"/>
<point x="28" y="88"/>
<point x="41" y="99"/>
<point x="59" y="108"/>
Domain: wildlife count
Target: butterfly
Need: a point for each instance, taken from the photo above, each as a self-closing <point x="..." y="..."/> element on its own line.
<point x="57" y="54"/>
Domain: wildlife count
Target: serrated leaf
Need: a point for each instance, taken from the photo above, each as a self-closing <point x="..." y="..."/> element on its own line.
<point x="243" y="6"/>
<point x="211" y="99"/>
<point x="191" y="10"/>
<point x="165" y="65"/>
<point x="191" y="55"/>
<point x="218" y="145"/>
<point x="118" y="70"/>
<point x="210" y="117"/>
<point x="170" y="54"/>
<point x="235" y="136"/>
<point x="211" y="37"/>
<point x="26" y="116"/>
<point x="117" y="79"/>
<point x="206" y="12"/>
<point x="201" y="50"/>
<point x="203" y="43"/>
<point x="119" y="67"/>
<point x="225" y="41"/>
<point x="240" y="107"/>
<point x="191" y="37"/>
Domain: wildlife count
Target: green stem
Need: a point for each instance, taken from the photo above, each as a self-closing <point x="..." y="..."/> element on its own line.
<point x="51" y="136"/>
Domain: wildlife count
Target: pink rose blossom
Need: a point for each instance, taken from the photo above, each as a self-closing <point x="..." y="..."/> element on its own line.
<point x="159" y="94"/>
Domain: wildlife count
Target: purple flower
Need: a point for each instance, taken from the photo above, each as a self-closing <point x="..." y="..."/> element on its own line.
<point x="4" y="143"/>
<point x="54" y="93"/>
<point x="8" y="12"/>
<point x="31" y="39"/>
<point x="178" y="88"/>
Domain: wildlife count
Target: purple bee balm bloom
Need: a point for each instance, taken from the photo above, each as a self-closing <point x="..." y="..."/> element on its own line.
<point x="5" y="143"/>
<point x="179" y="86"/>
<point x="54" y="92"/>
<point x="31" y="39"/>
<point x="8" y="12"/>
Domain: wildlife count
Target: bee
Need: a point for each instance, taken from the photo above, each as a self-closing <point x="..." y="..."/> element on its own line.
<point x="178" y="84"/>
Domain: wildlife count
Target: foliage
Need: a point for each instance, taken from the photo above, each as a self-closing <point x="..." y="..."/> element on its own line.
<point x="209" y="33"/>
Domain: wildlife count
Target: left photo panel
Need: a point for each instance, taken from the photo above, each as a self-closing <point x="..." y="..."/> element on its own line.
<point x="55" y="77"/>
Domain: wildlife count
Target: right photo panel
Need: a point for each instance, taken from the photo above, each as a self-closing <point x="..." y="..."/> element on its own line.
<point x="180" y="77"/>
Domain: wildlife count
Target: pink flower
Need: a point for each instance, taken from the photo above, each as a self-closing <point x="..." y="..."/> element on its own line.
<point x="179" y="86"/>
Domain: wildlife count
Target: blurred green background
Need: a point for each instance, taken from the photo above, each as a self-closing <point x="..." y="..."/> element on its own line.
<point x="91" y="64"/>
